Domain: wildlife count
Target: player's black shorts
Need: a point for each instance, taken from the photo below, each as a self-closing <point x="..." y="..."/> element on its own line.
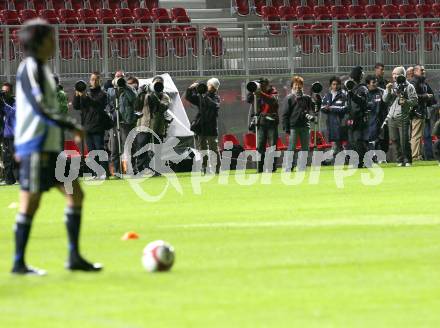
<point x="37" y="172"/>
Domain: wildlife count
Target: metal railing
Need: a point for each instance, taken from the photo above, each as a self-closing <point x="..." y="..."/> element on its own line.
<point x="238" y="49"/>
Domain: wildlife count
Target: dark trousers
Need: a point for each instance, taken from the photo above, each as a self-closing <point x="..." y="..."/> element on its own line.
<point x="358" y="143"/>
<point x="124" y="131"/>
<point x="95" y="141"/>
<point x="428" y="154"/>
<point x="266" y="134"/>
<point x="142" y="160"/>
<point x="209" y="143"/>
<point x="11" y="166"/>
<point x="303" y="134"/>
<point x="399" y="136"/>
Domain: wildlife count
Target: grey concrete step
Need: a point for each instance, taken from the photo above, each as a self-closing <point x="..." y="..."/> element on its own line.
<point x="200" y="4"/>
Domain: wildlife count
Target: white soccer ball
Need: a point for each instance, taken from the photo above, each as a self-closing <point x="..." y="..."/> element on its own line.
<point x="158" y="256"/>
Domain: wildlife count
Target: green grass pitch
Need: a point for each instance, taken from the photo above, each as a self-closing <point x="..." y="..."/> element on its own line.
<point x="246" y="256"/>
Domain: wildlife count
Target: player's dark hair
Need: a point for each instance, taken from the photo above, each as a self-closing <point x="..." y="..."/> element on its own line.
<point x="33" y="33"/>
<point x="370" y="78"/>
<point x="379" y="65"/>
<point x="9" y="85"/>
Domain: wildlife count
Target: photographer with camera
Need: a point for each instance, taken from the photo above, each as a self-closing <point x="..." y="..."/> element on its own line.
<point x="7" y="110"/>
<point x="357" y="122"/>
<point x="121" y="103"/>
<point x="400" y="96"/>
<point x="153" y="105"/>
<point x="205" y="125"/>
<point x="421" y="117"/>
<point x="263" y="117"/>
<point x="334" y="104"/>
<point x="92" y="105"/>
<point x="297" y="113"/>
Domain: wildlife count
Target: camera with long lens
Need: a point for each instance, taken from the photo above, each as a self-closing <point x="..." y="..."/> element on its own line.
<point x="201" y="88"/>
<point x="317" y="87"/>
<point x="121" y="83"/>
<point x="349" y="85"/>
<point x="253" y="86"/>
<point x="401" y="85"/>
<point x="80" y="86"/>
<point x="156" y="87"/>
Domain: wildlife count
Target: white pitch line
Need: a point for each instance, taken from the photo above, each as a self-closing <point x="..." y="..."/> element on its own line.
<point x="391" y="221"/>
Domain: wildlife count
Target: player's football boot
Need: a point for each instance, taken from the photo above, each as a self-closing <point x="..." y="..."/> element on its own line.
<point x="27" y="270"/>
<point x="79" y="264"/>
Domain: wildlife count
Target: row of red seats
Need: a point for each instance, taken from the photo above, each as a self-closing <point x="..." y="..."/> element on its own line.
<point x="404" y="11"/>
<point x="123" y="43"/>
<point x="75" y="4"/>
<point x="102" y="16"/>
<point x="249" y="142"/>
<point x="362" y="37"/>
<point x="346" y="8"/>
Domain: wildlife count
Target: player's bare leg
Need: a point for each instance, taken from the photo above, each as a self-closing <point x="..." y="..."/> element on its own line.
<point x="73" y="224"/>
<point x="29" y="203"/>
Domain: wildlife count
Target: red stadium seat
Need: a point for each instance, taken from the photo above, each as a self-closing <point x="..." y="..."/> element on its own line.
<point x="339" y="12"/>
<point x="142" y="15"/>
<point x="407" y="11"/>
<point x="280" y="145"/>
<point x="10" y="17"/>
<point x="356" y="12"/>
<point x="214" y="41"/>
<point x="27" y="14"/>
<point x="278" y="3"/>
<point x="140" y="39"/>
<point x="229" y="138"/>
<point x="249" y="141"/>
<point x="68" y="16"/>
<point x="119" y="43"/>
<point x="132" y="4"/>
<point x="83" y="43"/>
<point x="18" y="4"/>
<point x="390" y="11"/>
<point x="191" y="39"/>
<point x="241" y="7"/>
<point x="408" y="34"/>
<point x="373" y="12"/>
<point x="321" y="12"/>
<point x="160" y="13"/>
<point x="258" y="6"/>
<point x="270" y="14"/>
<point x="77" y="4"/>
<point x="37" y="4"/>
<point x="287" y="13"/>
<point x="95" y="4"/>
<point x="56" y="4"/>
<point x="87" y="16"/>
<point x="66" y="44"/>
<point x="114" y="4"/>
<point x="436" y="9"/>
<point x="177" y="40"/>
<point x="73" y="149"/>
<point x="105" y="16"/>
<point x="50" y="15"/>
<point x="150" y="4"/>
<point x="178" y="12"/>
<point x="161" y="43"/>
<point x="302" y="11"/>
<point x="124" y="16"/>
<point x="390" y="37"/>
<point x="424" y="11"/>
<point x="183" y="22"/>
<point x="304" y="36"/>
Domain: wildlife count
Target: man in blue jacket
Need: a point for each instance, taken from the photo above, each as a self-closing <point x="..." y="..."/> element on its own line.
<point x="7" y="107"/>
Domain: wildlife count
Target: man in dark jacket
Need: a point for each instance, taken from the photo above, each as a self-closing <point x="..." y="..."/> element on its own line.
<point x="209" y="105"/>
<point x="266" y="117"/>
<point x="7" y="107"/>
<point x="379" y="72"/>
<point x="334" y="104"/>
<point x="420" y="120"/>
<point x="92" y="106"/>
<point x="298" y="111"/>
<point x="357" y="114"/>
<point x="375" y="112"/>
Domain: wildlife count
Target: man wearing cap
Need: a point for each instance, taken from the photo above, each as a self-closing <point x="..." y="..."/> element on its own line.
<point x="400" y="101"/>
<point x="209" y="105"/>
<point x="38" y="135"/>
